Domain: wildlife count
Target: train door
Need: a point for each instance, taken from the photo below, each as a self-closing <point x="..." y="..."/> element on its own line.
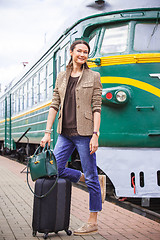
<point x="7" y="141"/>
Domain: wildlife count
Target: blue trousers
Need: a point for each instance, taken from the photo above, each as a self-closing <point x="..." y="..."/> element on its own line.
<point x="63" y="149"/>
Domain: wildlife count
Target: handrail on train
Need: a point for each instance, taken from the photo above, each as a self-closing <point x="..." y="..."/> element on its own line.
<point x="23" y="135"/>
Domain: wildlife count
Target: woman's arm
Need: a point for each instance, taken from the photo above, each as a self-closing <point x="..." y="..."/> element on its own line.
<point x="94" y="140"/>
<point x="51" y="118"/>
<point x="97" y="93"/>
<point x="96" y="108"/>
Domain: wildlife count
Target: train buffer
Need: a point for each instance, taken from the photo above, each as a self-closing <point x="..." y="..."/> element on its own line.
<point x="16" y="203"/>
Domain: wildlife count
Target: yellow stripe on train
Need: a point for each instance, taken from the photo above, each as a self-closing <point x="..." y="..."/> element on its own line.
<point x="127" y="59"/>
<point x="132" y="82"/>
<point x="36" y="108"/>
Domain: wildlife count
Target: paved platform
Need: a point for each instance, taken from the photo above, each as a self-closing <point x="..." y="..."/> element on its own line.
<point x="16" y="202"/>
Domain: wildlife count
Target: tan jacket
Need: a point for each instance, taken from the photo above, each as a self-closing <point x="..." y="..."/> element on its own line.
<point x="88" y="99"/>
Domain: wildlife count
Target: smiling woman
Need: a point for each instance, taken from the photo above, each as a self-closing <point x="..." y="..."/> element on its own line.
<point x="124" y="39"/>
<point x="75" y="129"/>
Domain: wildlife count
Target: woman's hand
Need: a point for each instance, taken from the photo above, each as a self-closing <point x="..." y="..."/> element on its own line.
<point x="46" y="139"/>
<point x="93" y="144"/>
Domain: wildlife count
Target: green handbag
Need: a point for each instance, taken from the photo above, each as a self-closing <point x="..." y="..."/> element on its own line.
<point x="42" y="165"/>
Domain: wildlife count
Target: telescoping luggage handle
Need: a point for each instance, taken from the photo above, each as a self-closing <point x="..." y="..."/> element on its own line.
<point x="44" y="195"/>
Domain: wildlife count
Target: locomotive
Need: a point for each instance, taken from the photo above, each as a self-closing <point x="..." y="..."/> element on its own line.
<point x="124" y="37"/>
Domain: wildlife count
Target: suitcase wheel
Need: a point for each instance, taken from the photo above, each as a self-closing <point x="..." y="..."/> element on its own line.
<point x="34" y="233"/>
<point x="69" y="232"/>
<point x="45" y="236"/>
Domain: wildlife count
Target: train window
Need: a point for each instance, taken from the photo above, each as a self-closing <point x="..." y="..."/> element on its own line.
<point x="23" y="93"/>
<point x="58" y="64"/>
<point x="92" y="40"/>
<point x="50" y="67"/>
<point x="25" y="96"/>
<point x="62" y="54"/>
<point x="34" y="90"/>
<point x="50" y="78"/>
<point x="38" y="88"/>
<point x="2" y="109"/>
<point x="12" y="103"/>
<point x="64" y="57"/>
<point x="19" y="99"/>
<point x="1" y="112"/>
<point x="15" y="102"/>
<point x="115" y="39"/>
<point x="147" y="37"/>
<point x="67" y="55"/>
<point x="29" y="93"/>
<point x="46" y="81"/>
<point x="41" y="86"/>
<point x="50" y="86"/>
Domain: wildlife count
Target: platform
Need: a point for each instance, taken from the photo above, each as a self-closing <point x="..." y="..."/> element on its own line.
<point x="16" y="202"/>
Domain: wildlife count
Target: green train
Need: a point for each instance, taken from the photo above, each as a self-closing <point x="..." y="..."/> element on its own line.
<point x="125" y="49"/>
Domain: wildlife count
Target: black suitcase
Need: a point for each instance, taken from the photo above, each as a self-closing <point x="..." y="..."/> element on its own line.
<point x="51" y="213"/>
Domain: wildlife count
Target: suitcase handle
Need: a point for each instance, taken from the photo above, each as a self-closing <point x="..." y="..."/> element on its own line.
<point x="44" y="195"/>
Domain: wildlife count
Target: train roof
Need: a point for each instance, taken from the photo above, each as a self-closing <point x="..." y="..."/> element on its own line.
<point x="88" y="10"/>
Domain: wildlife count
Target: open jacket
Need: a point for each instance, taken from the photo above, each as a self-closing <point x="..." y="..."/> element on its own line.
<point x="88" y="99"/>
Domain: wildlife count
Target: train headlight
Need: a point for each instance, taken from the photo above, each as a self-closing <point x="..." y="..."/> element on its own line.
<point x="121" y="96"/>
<point x="116" y="96"/>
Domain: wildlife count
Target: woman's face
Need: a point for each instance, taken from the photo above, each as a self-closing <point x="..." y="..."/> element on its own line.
<point x="79" y="54"/>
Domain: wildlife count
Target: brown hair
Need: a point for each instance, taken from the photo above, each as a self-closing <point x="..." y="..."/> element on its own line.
<point x="72" y="48"/>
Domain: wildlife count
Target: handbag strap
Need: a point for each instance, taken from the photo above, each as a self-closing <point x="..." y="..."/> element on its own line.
<point x="44" y="195"/>
<point x="42" y="149"/>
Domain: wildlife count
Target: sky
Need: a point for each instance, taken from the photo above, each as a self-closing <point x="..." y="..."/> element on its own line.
<point x="26" y="26"/>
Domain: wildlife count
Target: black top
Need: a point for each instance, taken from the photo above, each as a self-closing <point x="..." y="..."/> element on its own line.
<point x="69" y="108"/>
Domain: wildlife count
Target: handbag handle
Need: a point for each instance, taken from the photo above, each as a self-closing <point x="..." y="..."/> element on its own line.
<point x="44" y="195"/>
<point x="38" y="149"/>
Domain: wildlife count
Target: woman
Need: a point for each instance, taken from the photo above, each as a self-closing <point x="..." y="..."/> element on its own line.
<point x="78" y="95"/>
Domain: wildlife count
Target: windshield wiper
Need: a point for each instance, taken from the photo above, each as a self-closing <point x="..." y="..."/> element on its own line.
<point x="154" y="29"/>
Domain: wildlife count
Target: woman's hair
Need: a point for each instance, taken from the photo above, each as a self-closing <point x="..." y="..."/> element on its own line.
<point x="72" y="48"/>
